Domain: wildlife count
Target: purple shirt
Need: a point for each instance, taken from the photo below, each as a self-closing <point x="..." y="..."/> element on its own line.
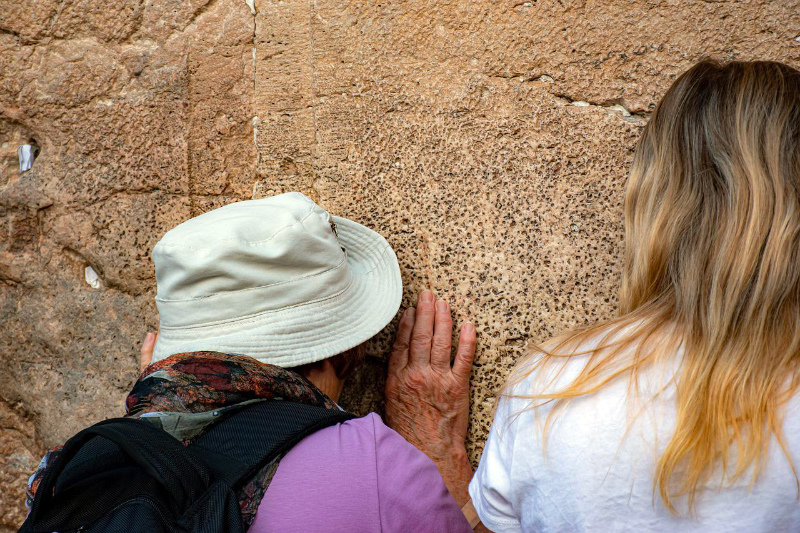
<point x="359" y="476"/>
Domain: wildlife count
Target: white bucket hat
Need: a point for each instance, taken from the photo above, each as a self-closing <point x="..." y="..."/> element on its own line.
<point x="272" y="279"/>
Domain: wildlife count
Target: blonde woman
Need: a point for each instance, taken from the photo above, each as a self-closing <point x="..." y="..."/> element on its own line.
<point x="682" y="413"/>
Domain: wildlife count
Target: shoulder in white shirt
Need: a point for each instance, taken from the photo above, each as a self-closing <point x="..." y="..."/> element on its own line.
<point x="598" y="471"/>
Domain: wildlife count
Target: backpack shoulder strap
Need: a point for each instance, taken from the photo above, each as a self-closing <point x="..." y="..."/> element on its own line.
<point x="230" y="451"/>
<point x="241" y="443"/>
<point x="160" y="457"/>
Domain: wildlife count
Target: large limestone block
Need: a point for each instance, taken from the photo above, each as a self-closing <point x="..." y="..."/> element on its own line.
<point x="488" y="141"/>
<point x="143" y="114"/>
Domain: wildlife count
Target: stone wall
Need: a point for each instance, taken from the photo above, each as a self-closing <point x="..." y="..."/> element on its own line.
<point x="488" y="141"/>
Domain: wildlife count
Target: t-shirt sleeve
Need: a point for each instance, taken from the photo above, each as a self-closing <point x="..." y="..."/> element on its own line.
<point x="411" y="493"/>
<point x="491" y="486"/>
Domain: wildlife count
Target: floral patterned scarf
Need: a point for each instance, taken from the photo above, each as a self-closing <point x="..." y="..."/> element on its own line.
<point x="185" y="393"/>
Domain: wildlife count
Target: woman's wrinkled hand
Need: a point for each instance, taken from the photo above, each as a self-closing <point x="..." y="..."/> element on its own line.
<point x="427" y="399"/>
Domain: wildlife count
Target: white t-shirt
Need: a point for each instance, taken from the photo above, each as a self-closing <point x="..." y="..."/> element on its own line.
<point x="598" y="471"/>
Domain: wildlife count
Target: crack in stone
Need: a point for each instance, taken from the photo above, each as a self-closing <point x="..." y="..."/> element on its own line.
<point x="628" y="116"/>
<point x="314" y="188"/>
<point x="255" y="120"/>
<point x="4" y="31"/>
<point x="611" y="106"/>
<point x="195" y="17"/>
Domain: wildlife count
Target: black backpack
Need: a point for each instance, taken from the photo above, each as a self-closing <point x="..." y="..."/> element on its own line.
<point x="126" y="475"/>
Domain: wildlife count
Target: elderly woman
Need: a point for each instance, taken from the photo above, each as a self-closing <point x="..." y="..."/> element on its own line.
<point x="682" y="413"/>
<point x="273" y="299"/>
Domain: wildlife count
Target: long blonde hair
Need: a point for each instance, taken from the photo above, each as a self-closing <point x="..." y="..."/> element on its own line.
<point x="712" y="265"/>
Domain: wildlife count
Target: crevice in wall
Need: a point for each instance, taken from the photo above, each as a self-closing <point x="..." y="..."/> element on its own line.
<point x="609" y="107"/>
<point x="255" y="120"/>
<point x="314" y="188"/>
<point x="6" y="31"/>
<point x="196" y="16"/>
<point x="190" y="186"/>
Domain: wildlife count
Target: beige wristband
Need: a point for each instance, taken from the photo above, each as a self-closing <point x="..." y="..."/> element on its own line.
<point x="471" y="514"/>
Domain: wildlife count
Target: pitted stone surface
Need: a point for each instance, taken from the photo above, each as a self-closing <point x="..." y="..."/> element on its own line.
<point x="143" y="112"/>
<point x="20" y="452"/>
<point x="489" y="142"/>
<point x="486" y="140"/>
<point x="514" y="218"/>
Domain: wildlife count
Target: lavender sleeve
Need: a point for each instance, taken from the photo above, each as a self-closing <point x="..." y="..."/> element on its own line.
<point x="411" y="493"/>
<point x="357" y="477"/>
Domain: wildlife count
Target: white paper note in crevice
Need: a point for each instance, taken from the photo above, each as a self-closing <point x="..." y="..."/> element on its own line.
<point x="92" y="278"/>
<point x="26" y="155"/>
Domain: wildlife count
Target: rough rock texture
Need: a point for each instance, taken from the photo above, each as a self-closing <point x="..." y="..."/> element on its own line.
<point x="488" y="141"/>
<point x="143" y="111"/>
<point x="20" y="452"/>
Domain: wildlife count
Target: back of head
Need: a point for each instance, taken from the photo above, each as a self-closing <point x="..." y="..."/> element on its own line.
<point x="712" y="219"/>
<point x="278" y="279"/>
<point x="712" y="206"/>
<point x="712" y="264"/>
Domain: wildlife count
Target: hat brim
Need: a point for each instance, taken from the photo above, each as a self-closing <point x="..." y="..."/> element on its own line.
<point x="312" y="331"/>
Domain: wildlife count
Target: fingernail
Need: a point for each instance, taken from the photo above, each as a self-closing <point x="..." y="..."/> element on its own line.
<point x="426" y="296"/>
<point x="468" y="327"/>
<point x="441" y="306"/>
<point x="411" y="312"/>
<point x="150" y="336"/>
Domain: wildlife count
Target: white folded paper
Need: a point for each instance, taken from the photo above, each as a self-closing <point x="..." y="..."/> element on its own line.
<point x="27" y="153"/>
<point x="92" y="278"/>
